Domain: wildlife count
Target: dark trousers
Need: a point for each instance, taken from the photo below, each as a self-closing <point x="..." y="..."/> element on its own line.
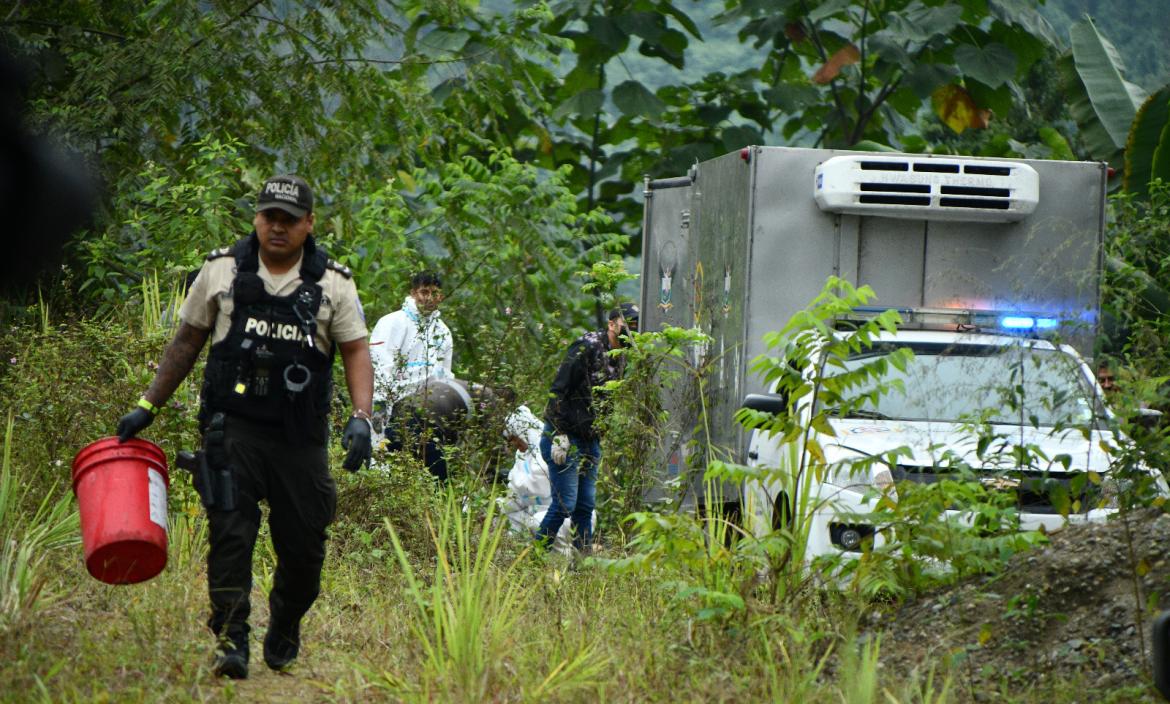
<point x="302" y="499"/>
<point x="574" y="488"/>
<point x="429" y="450"/>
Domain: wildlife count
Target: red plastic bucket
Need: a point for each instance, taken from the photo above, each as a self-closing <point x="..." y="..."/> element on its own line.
<point x="121" y="493"/>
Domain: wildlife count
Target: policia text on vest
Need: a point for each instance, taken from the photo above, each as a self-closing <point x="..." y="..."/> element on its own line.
<point x="268" y="367"/>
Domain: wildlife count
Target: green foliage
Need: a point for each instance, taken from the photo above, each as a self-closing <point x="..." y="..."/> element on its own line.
<point x="1147" y="147"/>
<point x="1035" y="125"/>
<point x="450" y="136"/>
<point x="930" y="547"/>
<point x="168" y="222"/>
<point x="723" y="567"/>
<point x="150" y="644"/>
<point x="397" y="489"/>
<point x="657" y="362"/>
<point x="809" y="373"/>
<point x="860" y="673"/>
<point x="599" y="32"/>
<point x="702" y="566"/>
<point x="340" y="94"/>
<point x="26" y="539"/>
<point x="1137" y="278"/>
<point x="68" y="385"/>
<point x="829" y="73"/>
<point x="1102" y="102"/>
<point x="189" y="108"/>
<point x="1132" y="347"/>
<point x="605" y="276"/>
<point x="1100" y="69"/>
<point x="465" y="615"/>
<point x="352" y="97"/>
<point x="1136" y="28"/>
<point x="465" y="604"/>
<point x="187" y="538"/>
<point x="502" y="233"/>
<point x="698" y="553"/>
<point x="717" y="563"/>
<point x="868" y="68"/>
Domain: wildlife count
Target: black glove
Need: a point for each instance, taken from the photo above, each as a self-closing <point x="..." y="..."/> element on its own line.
<point x="133" y="423"/>
<point x="356" y="439"/>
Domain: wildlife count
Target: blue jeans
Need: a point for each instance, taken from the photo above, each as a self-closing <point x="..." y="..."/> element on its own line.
<point x="574" y="488"/>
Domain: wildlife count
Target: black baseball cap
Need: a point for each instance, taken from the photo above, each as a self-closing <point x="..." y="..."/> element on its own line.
<point x="629" y="311"/>
<point x="288" y="193"/>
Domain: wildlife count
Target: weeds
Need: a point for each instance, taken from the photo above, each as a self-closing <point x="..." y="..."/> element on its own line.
<point x="657" y="363"/>
<point x="26" y="541"/>
<point x="468" y="612"/>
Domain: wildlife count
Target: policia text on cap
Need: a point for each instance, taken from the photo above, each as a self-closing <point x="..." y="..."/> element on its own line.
<point x="276" y="309"/>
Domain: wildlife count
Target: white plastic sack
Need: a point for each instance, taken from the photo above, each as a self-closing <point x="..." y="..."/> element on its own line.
<point x="529" y="491"/>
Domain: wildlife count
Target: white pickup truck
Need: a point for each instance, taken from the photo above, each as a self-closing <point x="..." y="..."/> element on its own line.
<point x="986" y="259"/>
<point x="1016" y="390"/>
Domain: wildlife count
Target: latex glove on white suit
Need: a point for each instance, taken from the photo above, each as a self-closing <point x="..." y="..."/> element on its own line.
<point x="560" y="449"/>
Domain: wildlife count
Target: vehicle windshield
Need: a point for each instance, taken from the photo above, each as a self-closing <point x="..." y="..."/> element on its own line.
<point x="966" y="382"/>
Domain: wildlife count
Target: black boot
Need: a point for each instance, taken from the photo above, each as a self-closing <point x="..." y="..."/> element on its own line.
<point x="232" y="659"/>
<point x="281" y="644"/>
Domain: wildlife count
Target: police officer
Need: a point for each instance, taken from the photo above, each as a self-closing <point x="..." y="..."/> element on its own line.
<point x="276" y="308"/>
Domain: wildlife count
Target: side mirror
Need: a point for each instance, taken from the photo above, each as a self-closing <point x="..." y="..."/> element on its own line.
<point x="766" y="403"/>
<point x="1161" y="652"/>
<point x="1148" y="418"/>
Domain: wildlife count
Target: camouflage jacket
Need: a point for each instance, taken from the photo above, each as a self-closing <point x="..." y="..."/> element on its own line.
<point x="572" y="403"/>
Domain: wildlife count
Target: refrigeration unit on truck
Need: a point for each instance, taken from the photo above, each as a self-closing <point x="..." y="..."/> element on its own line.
<point x="989" y="261"/>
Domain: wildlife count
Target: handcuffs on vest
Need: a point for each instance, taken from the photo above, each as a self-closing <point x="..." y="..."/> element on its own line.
<point x="296" y="375"/>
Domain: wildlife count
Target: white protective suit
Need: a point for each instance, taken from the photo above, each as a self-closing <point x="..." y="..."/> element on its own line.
<point x="529" y="491"/>
<point x="406" y="349"/>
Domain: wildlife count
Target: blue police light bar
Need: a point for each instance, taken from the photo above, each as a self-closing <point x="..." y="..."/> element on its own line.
<point x="1026" y="322"/>
<point x="960" y="317"/>
<point x="1017" y="322"/>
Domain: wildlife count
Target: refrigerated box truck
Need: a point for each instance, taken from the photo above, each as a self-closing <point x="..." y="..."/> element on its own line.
<point x="980" y="255"/>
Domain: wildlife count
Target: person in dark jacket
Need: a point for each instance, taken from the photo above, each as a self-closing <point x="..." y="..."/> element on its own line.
<point x="570" y="443"/>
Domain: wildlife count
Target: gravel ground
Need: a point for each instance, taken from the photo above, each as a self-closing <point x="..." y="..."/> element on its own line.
<point x="1077" y="610"/>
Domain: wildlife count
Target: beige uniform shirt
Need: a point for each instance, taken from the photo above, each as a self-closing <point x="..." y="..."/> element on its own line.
<point x="209" y="303"/>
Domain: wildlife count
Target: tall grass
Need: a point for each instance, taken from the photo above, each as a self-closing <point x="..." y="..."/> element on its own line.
<point x="468" y="613"/>
<point x="43" y="312"/>
<point x="859" y="677"/>
<point x="160" y="309"/>
<point x="188" y="539"/>
<point x="25" y="541"/>
<point x="860" y="682"/>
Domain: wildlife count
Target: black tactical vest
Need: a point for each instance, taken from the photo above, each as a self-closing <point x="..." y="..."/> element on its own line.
<point x="268" y="368"/>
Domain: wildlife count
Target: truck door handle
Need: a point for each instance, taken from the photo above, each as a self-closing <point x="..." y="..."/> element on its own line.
<point x="753" y="455"/>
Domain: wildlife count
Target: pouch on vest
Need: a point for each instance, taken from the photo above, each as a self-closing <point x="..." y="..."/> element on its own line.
<point x="269" y="368"/>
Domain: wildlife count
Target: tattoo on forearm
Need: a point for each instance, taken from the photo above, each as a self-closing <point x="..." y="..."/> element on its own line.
<point x="177" y="361"/>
